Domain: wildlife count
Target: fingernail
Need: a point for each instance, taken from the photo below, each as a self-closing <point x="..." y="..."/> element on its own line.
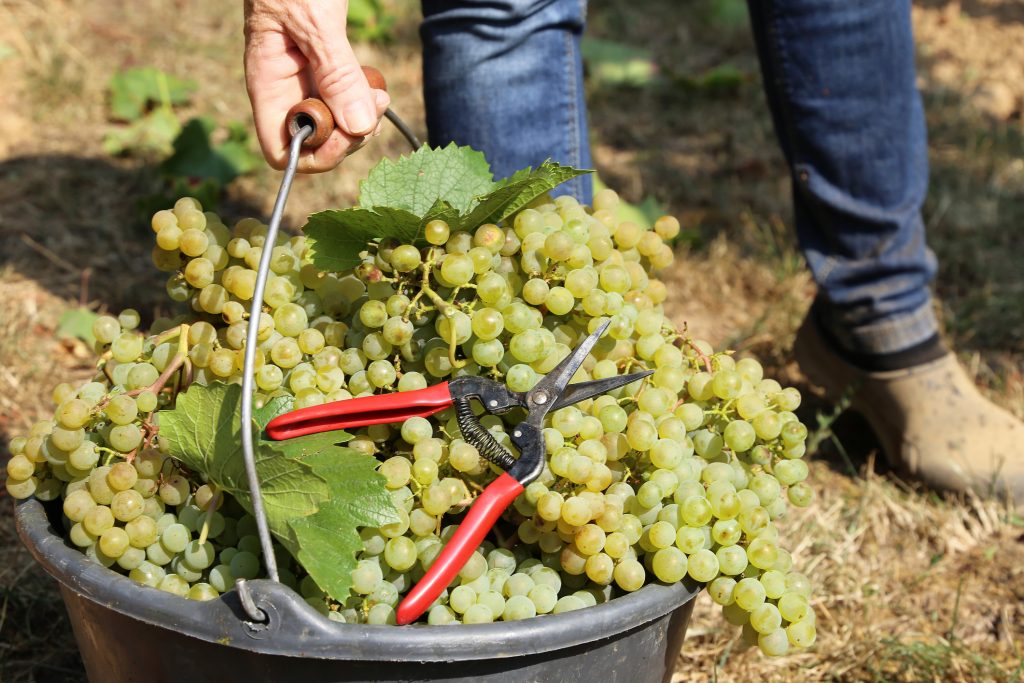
<point x="359" y="118"/>
<point x="383" y="99"/>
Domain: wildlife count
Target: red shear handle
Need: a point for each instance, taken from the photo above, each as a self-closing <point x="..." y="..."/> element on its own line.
<point x="359" y="412"/>
<point x="482" y="516"/>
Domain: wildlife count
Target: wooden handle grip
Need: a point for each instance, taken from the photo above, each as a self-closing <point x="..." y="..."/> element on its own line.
<point x="315" y="113"/>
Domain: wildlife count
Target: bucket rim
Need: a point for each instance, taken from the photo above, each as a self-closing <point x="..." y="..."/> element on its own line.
<point x="296" y="629"/>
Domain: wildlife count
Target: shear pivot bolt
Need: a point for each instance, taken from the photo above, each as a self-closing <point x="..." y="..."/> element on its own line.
<point x="541" y="398"/>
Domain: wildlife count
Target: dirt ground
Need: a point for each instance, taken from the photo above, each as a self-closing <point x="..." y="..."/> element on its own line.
<point x="911" y="586"/>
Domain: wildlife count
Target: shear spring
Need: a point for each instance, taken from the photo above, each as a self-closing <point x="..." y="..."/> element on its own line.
<point x="474" y="433"/>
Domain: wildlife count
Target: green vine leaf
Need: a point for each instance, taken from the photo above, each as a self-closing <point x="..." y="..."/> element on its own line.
<point x="399" y="198"/>
<point x="316" y="493"/>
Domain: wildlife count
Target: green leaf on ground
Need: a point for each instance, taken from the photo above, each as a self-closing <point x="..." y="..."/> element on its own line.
<point x="456" y="175"/>
<point x="76" y="323"/>
<point x="610" y="63"/>
<point x="316" y="494"/>
<point x="197" y="156"/>
<point x="368" y="20"/>
<point x="399" y="198"/>
<point x="728" y="14"/>
<point x="134" y="90"/>
<point x="154" y="133"/>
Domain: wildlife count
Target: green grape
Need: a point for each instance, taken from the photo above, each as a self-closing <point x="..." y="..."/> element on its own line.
<point x="703" y="566"/>
<point x="125" y="438"/>
<point x="20" y="467"/>
<point x="802" y="634"/>
<point x="74" y="413"/>
<point x="113" y="542"/>
<point x="122" y="409"/>
<point x="629" y="575"/>
<point x="789" y="472"/>
<point x="669" y="564"/>
<point x="199" y="556"/>
<point x="373" y="314"/>
<point x="290" y="320"/>
<point x="142" y="531"/>
<point x="794" y="607"/>
<point x="244" y="565"/>
<point x="800" y="494"/>
<point x="721" y="590"/>
<point x="559" y="301"/>
<point x="381" y="373"/>
<point x="174" y="490"/>
<point x="520" y="377"/>
<point x="739" y="436"/>
<point x="98" y="519"/>
<point x="105" y="329"/>
<point x="766" y="487"/>
<point x="749" y="594"/>
<point x="436" y="232"/>
<point x="405" y="258"/>
<point x="175" y="538"/>
<point x="147" y="574"/>
<point x="487" y="323"/>
<point x="774" y="644"/>
<point x="126" y="347"/>
<point x="400" y="553"/>
<point x="518" y="607"/>
<point x="127" y="505"/>
<point x="146" y="401"/>
<point x="457" y="269"/>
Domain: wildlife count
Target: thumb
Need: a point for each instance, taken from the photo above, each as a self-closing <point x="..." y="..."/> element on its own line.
<point x="340" y="82"/>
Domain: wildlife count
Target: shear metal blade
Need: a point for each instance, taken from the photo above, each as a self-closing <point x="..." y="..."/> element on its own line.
<point x="581" y="391"/>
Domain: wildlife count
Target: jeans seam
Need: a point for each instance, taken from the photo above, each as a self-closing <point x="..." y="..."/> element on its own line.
<point x="574" y="132"/>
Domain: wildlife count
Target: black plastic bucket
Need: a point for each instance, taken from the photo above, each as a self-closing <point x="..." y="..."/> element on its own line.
<point x="129" y="632"/>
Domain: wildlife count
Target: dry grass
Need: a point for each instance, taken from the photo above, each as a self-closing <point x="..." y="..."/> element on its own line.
<point x="912" y="587"/>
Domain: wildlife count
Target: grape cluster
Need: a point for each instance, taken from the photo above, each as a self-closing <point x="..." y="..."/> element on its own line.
<point x="680" y="476"/>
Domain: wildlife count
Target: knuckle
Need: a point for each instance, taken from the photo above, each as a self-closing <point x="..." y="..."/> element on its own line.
<point x="334" y="80"/>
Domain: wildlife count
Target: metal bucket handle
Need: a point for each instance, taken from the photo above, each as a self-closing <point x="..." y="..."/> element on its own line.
<point x="266" y="544"/>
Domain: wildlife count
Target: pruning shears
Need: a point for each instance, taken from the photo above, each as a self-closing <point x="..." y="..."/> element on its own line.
<point x="552" y="392"/>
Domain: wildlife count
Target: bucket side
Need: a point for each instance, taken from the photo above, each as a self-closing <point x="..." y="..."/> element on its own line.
<point x="119" y="649"/>
<point x="294" y="629"/>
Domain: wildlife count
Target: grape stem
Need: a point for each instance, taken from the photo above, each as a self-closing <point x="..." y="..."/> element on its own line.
<point x="211" y="507"/>
<point x="452" y="346"/>
<point x="700" y="354"/>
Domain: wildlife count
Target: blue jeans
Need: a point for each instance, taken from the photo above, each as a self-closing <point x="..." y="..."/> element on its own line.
<point x="505" y="77"/>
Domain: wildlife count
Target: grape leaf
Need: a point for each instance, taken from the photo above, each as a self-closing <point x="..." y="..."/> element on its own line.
<point x="456" y="175"/>
<point x="399" y="198"/>
<point x="327" y="535"/>
<point x="337" y="237"/>
<point x="518" y="191"/>
<point x="310" y="484"/>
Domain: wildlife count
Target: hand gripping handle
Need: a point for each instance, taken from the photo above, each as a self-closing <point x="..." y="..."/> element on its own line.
<point x="467" y="538"/>
<point x="315" y="113"/>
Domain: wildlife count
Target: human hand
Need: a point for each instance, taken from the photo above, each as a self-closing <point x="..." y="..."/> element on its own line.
<point x="296" y="49"/>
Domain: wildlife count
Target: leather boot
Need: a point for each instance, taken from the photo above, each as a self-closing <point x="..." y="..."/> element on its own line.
<point x="931" y="420"/>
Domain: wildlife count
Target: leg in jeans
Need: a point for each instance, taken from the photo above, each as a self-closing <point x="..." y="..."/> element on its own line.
<point x="505" y="77"/>
<point x="840" y="82"/>
<point x="841" y="85"/>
